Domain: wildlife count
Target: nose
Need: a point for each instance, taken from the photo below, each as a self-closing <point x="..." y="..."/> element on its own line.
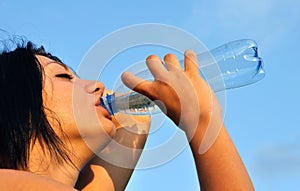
<point x="95" y="87"/>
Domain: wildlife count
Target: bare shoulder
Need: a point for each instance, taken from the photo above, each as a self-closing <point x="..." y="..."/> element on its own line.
<point x="21" y="180"/>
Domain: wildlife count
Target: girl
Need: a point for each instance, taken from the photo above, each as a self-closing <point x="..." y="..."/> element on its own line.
<point x="50" y="119"/>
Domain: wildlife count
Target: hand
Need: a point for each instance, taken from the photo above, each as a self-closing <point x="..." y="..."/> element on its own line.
<point x="191" y="104"/>
<point x="183" y="95"/>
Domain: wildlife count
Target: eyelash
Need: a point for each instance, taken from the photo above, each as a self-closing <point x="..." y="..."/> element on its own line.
<point x="67" y="76"/>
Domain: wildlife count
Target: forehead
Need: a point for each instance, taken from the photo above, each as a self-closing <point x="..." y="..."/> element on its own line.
<point x="45" y="61"/>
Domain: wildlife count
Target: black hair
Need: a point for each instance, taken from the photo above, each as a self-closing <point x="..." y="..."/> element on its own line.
<point x="22" y="114"/>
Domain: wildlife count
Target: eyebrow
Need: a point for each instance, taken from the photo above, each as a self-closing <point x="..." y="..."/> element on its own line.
<point x="59" y="63"/>
<point x="64" y="66"/>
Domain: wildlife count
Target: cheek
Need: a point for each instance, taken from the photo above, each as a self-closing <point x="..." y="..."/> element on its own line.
<point x="58" y="107"/>
<point x="77" y="114"/>
<point x="62" y="105"/>
<point x="58" y="101"/>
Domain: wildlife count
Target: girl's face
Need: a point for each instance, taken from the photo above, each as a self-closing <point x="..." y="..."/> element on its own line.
<point x="76" y="103"/>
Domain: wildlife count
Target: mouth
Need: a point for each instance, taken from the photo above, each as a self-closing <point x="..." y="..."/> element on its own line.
<point x="102" y="109"/>
<point x="104" y="112"/>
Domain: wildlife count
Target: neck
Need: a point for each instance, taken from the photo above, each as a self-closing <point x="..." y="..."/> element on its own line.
<point x="43" y="164"/>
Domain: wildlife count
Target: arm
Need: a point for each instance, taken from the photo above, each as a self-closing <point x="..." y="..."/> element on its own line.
<point x="220" y="167"/>
<point x="26" y="181"/>
<point x="195" y="109"/>
<point x="112" y="168"/>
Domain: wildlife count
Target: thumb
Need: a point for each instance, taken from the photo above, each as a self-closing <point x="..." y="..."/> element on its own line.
<point x="136" y="83"/>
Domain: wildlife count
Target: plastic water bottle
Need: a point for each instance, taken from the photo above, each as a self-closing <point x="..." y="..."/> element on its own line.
<point x="231" y="65"/>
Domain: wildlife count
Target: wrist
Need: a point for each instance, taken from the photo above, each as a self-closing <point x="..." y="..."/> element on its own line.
<point x="206" y="132"/>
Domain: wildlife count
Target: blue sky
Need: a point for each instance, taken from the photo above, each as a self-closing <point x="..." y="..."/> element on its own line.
<point x="262" y="118"/>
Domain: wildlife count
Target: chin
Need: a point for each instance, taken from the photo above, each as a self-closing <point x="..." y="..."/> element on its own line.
<point x="109" y="128"/>
<point x="100" y="139"/>
<point x="112" y="131"/>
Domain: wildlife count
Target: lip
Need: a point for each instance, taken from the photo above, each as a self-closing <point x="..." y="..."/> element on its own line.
<point x="104" y="112"/>
<point x="102" y="109"/>
<point x="97" y="101"/>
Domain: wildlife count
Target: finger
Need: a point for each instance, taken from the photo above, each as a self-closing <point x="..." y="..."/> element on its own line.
<point x="136" y="83"/>
<point x="190" y="61"/>
<point x="155" y="66"/>
<point x="172" y="62"/>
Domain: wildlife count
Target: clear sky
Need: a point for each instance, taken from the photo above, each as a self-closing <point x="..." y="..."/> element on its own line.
<point x="262" y="118"/>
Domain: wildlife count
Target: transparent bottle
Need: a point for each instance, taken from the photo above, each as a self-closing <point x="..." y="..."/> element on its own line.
<point x="231" y="65"/>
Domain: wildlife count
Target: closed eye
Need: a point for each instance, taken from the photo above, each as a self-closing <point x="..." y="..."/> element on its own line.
<point x="65" y="75"/>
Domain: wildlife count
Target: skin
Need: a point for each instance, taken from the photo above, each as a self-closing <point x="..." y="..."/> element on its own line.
<point x="87" y="127"/>
<point x="60" y="84"/>
<point x="218" y="168"/>
<point x="195" y="109"/>
<point x="20" y="180"/>
<point x="131" y="133"/>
